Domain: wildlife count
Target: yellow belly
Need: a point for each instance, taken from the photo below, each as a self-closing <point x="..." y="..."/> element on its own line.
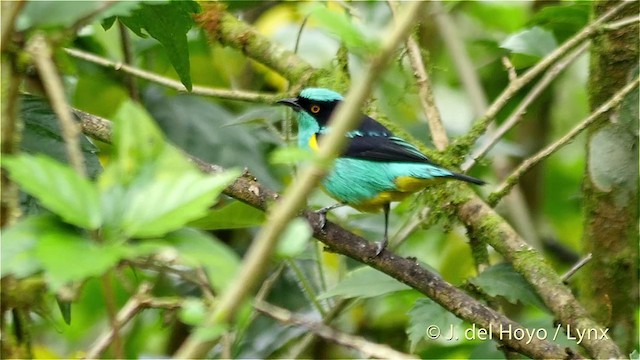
<point x="406" y="185"/>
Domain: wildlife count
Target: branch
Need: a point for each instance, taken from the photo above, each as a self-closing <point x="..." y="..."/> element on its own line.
<point x="41" y="52"/>
<point x="173" y="84"/>
<point x="438" y="133"/>
<point x="140" y="301"/>
<point x="463" y="143"/>
<point x="365" y="347"/>
<point x="248" y="190"/>
<point x="256" y="259"/>
<point x="516" y="116"/>
<point x="568" y="137"/>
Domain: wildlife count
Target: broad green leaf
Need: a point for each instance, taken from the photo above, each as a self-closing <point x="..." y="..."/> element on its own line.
<point x="536" y="42"/>
<point x="428" y="319"/>
<point x="42" y="134"/>
<point x="49" y="14"/>
<point x="337" y="23"/>
<point x="294" y="238"/>
<point x="68" y="256"/>
<point x="564" y="20"/>
<point x="59" y="188"/>
<point x="169" y="24"/>
<point x="193" y="311"/>
<point x="365" y="282"/>
<point x="196" y="125"/>
<point x="290" y="155"/>
<point x="158" y="206"/>
<point x="19" y="241"/>
<point x="137" y="143"/>
<point x="196" y="248"/>
<point x="503" y="280"/>
<point x="236" y="215"/>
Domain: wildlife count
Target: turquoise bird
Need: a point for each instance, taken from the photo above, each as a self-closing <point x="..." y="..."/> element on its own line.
<point x="376" y="168"/>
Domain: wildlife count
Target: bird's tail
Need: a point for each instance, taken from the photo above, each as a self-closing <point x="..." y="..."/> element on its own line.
<point x="466" y="178"/>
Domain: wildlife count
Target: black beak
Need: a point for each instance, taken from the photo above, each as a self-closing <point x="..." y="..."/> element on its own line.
<point x="291" y="102"/>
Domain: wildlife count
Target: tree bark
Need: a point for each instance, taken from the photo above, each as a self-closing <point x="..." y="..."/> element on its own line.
<point x="610" y="282"/>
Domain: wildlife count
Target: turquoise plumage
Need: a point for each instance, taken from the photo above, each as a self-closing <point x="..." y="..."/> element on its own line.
<point x="376" y="168"/>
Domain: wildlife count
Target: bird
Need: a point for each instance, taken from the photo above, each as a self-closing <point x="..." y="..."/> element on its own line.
<point x="375" y="169"/>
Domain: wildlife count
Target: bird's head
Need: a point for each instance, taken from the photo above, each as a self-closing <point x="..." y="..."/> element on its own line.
<point x="314" y="104"/>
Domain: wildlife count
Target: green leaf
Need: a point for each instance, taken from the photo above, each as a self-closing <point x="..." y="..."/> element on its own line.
<point x="365" y="282"/>
<point x="59" y="188"/>
<point x="158" y="206"/>
<point x="294" y="239"/>
<point x="340" y="25"/>
<point x="196" y="249"/>
<point x="193" y="311"/>
<point x="42" y="134"/>
<point x="290" y="155"/>
<point x="68" y="256"/>
<point x="49" y="14"/>
<point x="18" y="244"/>
<point x="236" y="215"/>
<point x="536" y="42"/>
<point x="169" y="24"/>
<point x="503" y="280"/>
<point x="197" y="125"/>
<point x="427" y="318"/>
<point x="564" y="20"/>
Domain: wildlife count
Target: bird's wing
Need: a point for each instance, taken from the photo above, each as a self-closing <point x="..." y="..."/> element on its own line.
<point x="372" y="141"/>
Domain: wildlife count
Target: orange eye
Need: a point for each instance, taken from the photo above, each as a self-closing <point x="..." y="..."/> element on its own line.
<point x="315" y="109"/>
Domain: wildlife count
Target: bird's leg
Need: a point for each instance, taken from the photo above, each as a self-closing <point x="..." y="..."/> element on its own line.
<point x="383" y="244"/>
<point x="323" y="213"/>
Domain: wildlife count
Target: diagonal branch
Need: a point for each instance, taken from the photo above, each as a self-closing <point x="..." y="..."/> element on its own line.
<point x="513" y="179"/>
<point x="171" y="83"/>
<point x="463" y="143"/>
<point x="364" y="346"/>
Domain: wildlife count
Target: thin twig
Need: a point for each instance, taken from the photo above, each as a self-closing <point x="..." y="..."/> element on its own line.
<point x="174" y="84"/>
<point x="130" y="80"/>
<point x="365" y="347"/>
<point x="511" y="70"/>
<point x="306" y="287"/>
<point x="109" y="299"/>
<point x="141" y="300"/>
<point x="461" y="59"/>
<point x="615" y="25"/>
<point x="344" y="119"/>
<point x="438" y="133"/>
<point x="481" y="124"/>
<point x="10" y="11"/>
<point x="41" y="52"/>
<point x="517" y="114"/>
<point x="568" y="137"/>
<point x="576" y="267"/>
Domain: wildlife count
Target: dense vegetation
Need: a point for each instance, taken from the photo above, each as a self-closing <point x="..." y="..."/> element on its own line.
<point x="143" y="153"/>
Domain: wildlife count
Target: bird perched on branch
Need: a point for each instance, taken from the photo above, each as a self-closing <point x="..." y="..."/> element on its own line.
<point x="376" y="168"/>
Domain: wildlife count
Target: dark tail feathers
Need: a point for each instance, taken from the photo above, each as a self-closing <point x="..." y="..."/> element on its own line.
<point x="467" y="178"/>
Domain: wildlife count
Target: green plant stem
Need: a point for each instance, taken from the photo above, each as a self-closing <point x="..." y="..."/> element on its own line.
<point x="614" y="101"/>
<point x="305" y="286"/>
<point x="256" y="259"/>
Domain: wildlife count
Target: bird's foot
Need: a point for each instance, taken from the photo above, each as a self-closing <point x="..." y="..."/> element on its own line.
<point x="381" y="246"/>
<point x="323" y="214"/>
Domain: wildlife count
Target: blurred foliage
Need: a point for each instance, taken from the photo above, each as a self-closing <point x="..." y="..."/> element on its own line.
<point x="145" y="193"/>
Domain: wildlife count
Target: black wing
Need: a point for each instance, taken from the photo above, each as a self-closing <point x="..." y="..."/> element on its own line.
<point x="372" y="141"/>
